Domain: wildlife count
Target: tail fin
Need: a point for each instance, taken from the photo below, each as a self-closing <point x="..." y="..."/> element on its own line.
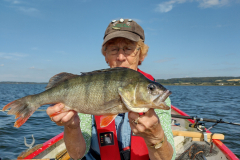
<point x="22" y="109"/>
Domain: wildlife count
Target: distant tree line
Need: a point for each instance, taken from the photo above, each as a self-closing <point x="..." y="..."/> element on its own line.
<point x="12" y="82"/>
<point x="201" y="81"/>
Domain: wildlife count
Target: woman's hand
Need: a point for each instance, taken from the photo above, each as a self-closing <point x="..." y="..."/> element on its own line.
<point x="73" y="137"/>
<point x="67" y="119"/>
<point x="148" y="126"/>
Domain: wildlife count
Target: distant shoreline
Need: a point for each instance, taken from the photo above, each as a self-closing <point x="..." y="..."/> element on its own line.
<point x="201" y="81"/>
<point x="23" y="83"/>
<point x="194" y="81"/>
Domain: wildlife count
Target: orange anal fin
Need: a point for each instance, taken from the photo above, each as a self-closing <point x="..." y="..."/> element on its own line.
<point x="106" y="120"/>
<point x="21" y="121"/>
<point x="59" y="112"/>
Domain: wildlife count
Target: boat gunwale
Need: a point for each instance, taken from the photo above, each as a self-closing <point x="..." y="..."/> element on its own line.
<point x="46" y="145"/>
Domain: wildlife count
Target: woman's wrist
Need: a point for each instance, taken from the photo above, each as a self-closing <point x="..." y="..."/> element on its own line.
<point x="155" y="139"/>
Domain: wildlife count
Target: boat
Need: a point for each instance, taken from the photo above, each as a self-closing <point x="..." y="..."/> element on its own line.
<point x="187" y="140"/>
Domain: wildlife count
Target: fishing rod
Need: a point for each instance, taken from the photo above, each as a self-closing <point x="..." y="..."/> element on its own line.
<point x="203" y="119"/>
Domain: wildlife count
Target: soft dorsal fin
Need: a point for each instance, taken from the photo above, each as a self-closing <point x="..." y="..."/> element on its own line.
<point x="58" y="78"/>
<point x="103" y="70"/>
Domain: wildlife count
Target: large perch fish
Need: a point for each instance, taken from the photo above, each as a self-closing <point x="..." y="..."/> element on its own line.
<point x="105" y="92"/>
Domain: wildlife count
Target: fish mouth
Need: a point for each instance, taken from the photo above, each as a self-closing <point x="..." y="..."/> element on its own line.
<point x="165" y="95"/>
<point x="162" y="97"/>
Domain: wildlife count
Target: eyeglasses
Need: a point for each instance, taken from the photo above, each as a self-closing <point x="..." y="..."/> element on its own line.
<point x="128" y="50"/>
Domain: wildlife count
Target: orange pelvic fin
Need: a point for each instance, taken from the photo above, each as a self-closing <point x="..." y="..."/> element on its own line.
<point x="65" y="109"/>
<point x="106" y="120"/>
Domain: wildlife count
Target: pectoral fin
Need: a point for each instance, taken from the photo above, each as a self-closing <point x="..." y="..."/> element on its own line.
<point x="106" y="120"/>
<point x="129" y="99"/>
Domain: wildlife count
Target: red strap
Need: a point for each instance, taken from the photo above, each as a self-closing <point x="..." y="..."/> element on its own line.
<point x="109" y="132"/>
<point x="139" y="149"/>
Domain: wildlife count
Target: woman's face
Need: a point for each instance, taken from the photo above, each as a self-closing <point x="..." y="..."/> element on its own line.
<point x="123" y="54"/>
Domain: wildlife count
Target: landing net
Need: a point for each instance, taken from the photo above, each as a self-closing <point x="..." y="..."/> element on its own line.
<point x="197" y="152"/>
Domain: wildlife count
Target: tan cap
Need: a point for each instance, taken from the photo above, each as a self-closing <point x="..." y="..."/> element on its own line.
<point x="126" y="28"/>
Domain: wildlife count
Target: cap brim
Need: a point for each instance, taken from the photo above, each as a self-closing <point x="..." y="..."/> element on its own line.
<point x="124" y="34"/>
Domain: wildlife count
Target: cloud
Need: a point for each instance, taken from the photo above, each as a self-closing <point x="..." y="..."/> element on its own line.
<point x="27" y="10"/>
<point x="13" y="1"/>
<point x="165" y="60"/>
<point x="12" y="56"/>
<point x="18" y="5"/>
<point x="211" y="3"/>
<point x="35" y="68"/>
<point x="168" y="5"/>
<point x="1" y="65"/>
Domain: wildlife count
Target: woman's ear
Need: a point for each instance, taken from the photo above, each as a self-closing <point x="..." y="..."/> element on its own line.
<point x="106" y="59"/>
<point x="141" y="59"/>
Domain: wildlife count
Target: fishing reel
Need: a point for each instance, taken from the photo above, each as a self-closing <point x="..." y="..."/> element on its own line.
<point x="200" y="126"/>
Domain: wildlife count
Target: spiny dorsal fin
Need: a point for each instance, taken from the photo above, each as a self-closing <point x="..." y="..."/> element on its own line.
<point x="58" y="78"/>
<point x="103" y="70"/>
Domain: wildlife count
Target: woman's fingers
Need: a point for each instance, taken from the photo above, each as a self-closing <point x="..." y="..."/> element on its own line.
<point x="144" y="125"/>
<point x="136" y="122"/>
<point x="69" y="118"/>
<point x="55" y="108"/>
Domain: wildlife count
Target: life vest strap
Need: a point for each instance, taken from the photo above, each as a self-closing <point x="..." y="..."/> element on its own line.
<point x="107" y="140"/>
<point x="139" y="149"/>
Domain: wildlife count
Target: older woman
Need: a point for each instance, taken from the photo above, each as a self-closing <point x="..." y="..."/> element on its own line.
<point x="123" y="46"/>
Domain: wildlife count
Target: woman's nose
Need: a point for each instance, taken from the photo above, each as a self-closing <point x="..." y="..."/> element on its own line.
<point x="121" y="55"/>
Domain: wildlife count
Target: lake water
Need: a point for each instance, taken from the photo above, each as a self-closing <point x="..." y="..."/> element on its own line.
<point x="213" y="102"/>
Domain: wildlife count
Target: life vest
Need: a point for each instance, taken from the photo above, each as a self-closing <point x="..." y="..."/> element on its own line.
<point x="108" y="143"/>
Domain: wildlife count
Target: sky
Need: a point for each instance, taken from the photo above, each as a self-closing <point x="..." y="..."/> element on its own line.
<point x="186" y="38"/>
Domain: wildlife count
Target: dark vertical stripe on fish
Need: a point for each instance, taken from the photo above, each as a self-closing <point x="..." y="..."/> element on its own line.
<point x="88" y="78"/>
<point x="105" y="85"/>
<point x="122" y="77"/>
<point x="66" y="87"/>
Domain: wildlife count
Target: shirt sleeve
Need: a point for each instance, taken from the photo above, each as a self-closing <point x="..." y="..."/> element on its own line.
<point x="165" y="120"/>
<point x="86" y="128"/>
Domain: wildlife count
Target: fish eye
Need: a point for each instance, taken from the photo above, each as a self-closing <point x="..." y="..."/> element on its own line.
<point x="151" y="87"/>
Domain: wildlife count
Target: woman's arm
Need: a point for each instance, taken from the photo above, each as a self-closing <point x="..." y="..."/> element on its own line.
<point x="149" y="127"/>
<point x="73" y="137"/>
